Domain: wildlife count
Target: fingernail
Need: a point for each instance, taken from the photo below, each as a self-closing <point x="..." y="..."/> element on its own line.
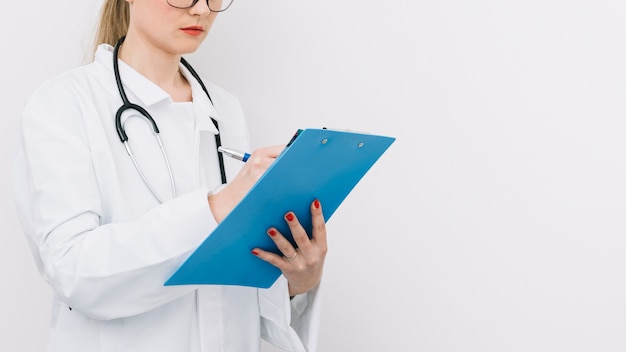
<point x="255" y="252"/>
<point x="289" y="216"/>
<point x="316" y="204"/>
<point x="272" y="232"/>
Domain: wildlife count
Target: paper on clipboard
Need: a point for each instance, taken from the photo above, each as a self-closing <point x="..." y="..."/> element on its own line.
<point x="318" y="163"/>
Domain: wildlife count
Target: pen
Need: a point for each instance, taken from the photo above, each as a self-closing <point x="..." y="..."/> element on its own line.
<point x="235" y="154"/>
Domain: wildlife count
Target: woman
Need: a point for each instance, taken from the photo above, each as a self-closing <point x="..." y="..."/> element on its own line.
<point x="107" y="230"/>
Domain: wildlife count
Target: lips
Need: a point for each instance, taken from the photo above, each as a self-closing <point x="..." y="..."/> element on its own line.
<point x="193" y="30"/>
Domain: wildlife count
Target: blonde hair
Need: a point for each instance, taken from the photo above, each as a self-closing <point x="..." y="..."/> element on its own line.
<point x="113" y="23"/>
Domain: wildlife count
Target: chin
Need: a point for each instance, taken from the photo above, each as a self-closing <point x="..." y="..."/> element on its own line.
<point x="189" y="45"/>
<point x="187" y="49"/>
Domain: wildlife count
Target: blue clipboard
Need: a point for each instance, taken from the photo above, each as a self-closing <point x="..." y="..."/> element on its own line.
<point x="317" y="163"/>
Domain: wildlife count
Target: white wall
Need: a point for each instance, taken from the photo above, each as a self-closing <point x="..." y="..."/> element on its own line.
<point x="39" y="39"/>
<point x="494" y="223"/>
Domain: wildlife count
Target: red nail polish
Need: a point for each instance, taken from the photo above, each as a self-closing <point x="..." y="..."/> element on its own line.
<point x="289" y="216"/>
<point x="255" y="252"/>
<point x="272" y="232"/>
<point x="316" y="204"/>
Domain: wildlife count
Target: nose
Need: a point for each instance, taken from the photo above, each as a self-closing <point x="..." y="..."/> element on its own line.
<point x="201" y="8"/>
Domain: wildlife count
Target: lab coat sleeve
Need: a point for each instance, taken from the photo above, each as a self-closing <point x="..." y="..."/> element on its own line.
<point x="104" y="270"/>
<point x="292" y="325"/>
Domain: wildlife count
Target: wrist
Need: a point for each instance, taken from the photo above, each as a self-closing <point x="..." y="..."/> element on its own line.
<point x="215" y="200"/>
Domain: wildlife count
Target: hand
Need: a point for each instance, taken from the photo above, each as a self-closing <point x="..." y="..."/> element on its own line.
<point x="302" y="266"/>
<point x="224" y="201"/>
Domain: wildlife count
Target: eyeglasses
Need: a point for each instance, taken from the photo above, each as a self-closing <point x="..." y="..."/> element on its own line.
<point x="214" y="5"/>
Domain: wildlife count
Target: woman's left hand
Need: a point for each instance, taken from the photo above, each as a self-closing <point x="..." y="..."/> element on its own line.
<point x="302" y="266"/>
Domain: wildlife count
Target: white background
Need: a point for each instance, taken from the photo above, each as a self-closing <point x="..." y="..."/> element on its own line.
<point x="496" y="222"/>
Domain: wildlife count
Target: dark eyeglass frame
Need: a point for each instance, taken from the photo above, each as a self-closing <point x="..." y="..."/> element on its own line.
<point x="194" y="2"/>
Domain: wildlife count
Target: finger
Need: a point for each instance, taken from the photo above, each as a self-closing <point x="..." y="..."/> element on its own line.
<point x="284" y="246"/>
<point x="261" y="159"/>
<point x="319" y="224"/>
<point x="272" y="258"/>
<point x="267" y="153"/>
<point x="297" y="231"/>
<point x="274" y="151"/>
<point x="258" y="162"/>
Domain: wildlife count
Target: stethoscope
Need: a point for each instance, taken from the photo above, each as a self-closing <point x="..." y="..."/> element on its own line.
<point x="127" y="105"/>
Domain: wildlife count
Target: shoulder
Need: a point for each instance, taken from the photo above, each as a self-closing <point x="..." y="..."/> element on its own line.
<point x="60" y="103"/>
<point x="83" y="82"/>
<point x="66" y="87"/>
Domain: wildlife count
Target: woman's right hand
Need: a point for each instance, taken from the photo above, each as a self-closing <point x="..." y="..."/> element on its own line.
<point x="225" y="200"/>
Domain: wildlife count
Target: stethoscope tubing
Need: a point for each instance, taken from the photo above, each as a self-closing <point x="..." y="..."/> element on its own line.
<point x="127" y="105"/>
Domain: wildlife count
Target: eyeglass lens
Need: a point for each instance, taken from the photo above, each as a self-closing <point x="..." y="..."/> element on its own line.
<point x="214" y="5"/>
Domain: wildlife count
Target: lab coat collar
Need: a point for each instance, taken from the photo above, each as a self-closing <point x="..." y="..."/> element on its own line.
<point x="202" y="104"/>
<point x="147" y="93"/>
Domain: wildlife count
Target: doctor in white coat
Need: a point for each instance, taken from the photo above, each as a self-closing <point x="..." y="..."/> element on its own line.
<point x="106" y="231"/>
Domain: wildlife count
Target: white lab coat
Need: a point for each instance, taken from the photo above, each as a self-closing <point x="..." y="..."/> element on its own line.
<point x="105" y="245"/>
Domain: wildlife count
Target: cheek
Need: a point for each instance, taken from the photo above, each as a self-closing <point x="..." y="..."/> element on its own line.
<point x="210" y="20"/>
<point x="151" y="14"/>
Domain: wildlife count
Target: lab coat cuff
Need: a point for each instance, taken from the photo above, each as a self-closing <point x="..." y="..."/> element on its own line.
<point x="290" y="324"/>
<point x="305" y="317"/>
<point x="195" y="217"/>
<point x="215" y="190"/>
